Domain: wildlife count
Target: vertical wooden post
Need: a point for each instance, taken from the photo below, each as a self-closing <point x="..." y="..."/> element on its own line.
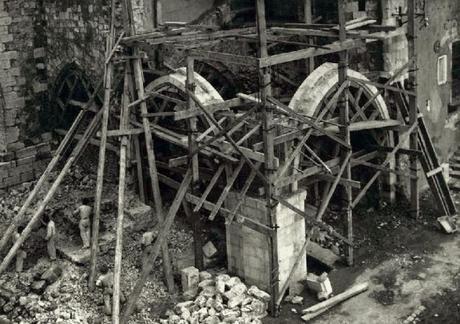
<point x="412" y="86"/>
<point x="154" y="182"/>
<point x="345" y="121"/>
<point x="121" y="200"/>
<point x="158" y="13"/>
<point x="101" y="163"/>
<point x="269" y="151"/>
<point x="308" y="19"/>
<point x="155" y="249"/>
<point x="140" y="176"/>
<point x="196" y="216"/>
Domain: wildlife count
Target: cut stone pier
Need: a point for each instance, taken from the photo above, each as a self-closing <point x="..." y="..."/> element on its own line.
<point x="248" y="251"/>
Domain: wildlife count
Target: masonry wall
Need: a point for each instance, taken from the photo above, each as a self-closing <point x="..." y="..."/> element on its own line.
<point x="248" y="251"/>
<point x="434" y="41"/>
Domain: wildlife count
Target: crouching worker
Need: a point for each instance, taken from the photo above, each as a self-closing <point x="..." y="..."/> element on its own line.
<point x="146" y="242"/>
<point x="105" y="282"/>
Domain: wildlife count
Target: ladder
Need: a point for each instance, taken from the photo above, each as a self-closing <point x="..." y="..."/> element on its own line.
<point x="428" y="157"/>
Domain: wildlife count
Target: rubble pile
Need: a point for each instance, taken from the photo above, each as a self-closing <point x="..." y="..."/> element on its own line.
<point x="28" y="294"/>
<point x="215" y="299"/>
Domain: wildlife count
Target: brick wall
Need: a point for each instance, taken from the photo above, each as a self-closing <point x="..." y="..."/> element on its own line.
<point x="24" y="165"/>
<point x="248" y="251"/>
<point x="20" y="78"/>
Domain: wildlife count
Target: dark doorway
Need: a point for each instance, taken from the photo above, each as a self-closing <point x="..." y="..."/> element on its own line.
<point x="456" y="72"/>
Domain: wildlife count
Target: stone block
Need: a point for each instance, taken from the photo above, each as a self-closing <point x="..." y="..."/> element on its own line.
<point x="25" y="160"/>
<point x="6" y="156"/>
<point x="27" y="176"/>
<point x="39" y="52"/>
<point x="190" y="278"/>
<point x="321" y="254"/>
<point x="141" y="216"/>
<point x="320" y="284"/>
<point x="209" y="250"/>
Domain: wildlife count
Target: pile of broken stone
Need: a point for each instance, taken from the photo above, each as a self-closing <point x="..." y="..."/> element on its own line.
<point x="219" y="298"/>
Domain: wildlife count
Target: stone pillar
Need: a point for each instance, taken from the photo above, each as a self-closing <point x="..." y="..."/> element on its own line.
<point x="248" y="251"/>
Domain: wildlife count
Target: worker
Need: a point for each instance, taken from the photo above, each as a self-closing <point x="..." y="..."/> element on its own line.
<point x="105" y="281"/>
<point x="146" y="242"/>
<point x="85" y="224"/>
<point x="50" y="237"/>
<point x="20" y="253"/>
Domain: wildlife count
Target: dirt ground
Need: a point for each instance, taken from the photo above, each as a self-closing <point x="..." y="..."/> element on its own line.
<point x="407" y="262"/>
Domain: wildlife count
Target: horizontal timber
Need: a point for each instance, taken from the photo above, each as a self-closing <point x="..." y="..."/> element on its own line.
<point x="310" y="52"/>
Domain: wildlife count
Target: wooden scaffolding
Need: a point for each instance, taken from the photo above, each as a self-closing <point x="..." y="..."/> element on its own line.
<point x="253" y="132"/>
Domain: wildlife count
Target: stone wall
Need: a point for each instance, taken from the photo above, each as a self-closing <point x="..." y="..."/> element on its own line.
<point x="20" y="71"/>
<point x="22" y="88"/>
<point x="76" y="32"/>
<point x="248" y="251"/>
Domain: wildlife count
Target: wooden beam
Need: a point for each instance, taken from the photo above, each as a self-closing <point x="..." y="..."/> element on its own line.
<point x="310" y="52"/>
<point x="124" y="120"/>
<point x="403" y="139"/>
<point x="151" y="159"/>
<point x="68" y="137"/>
<point x="226" y="190"/>
<point x="210" y="186"/>
<point x="223" y="57"/>
<point x="108" y="76"/>
<point x="154" y="250"/>
<point x="383" y="86"/>
<point x="241" y="194"/>
<point x="246" y="221"/>
<point x="89" y="132"/>
<point x="232" y="142"/>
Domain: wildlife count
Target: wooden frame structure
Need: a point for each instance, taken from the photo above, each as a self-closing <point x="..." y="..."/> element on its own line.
<point x="273" y="164"/>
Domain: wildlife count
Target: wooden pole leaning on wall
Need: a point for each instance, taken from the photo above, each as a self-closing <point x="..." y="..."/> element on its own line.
<point x="108" y="76"/>
<point x="124" y="120"/>
<point x="194" y="162"/>
<point x="345" y="130"/>
<point x="138" y="81"/>
<point x="89" y="132"/>
<point x="413" y="111"/>
<point x="46" y="174"/>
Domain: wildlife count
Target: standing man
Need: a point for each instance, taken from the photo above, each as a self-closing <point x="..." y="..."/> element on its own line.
<point x="51" y="238"/>
<point x="85" y="223"/>
<point x="20" y="254"/>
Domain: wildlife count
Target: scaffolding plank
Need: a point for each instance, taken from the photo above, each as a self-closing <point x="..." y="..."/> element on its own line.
<point x="310" y="52"/>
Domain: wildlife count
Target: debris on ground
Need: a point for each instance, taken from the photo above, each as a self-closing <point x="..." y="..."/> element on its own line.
<point x="320" y="284"/>
<point x="320" y="308"/>
<point x="448" y="224"/>
<point x="220" y="299"/>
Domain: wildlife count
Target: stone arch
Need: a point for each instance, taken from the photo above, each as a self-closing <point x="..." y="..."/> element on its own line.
<point x="71" y="83"/>
<point x="322" y="83"/>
